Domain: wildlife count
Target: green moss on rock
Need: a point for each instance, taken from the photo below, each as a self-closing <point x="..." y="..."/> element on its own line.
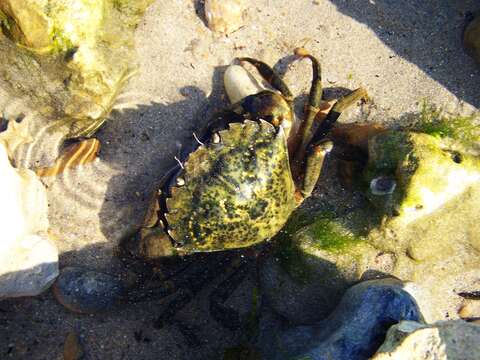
<point x="330" y="235"/>
<point x="462" y="129"/>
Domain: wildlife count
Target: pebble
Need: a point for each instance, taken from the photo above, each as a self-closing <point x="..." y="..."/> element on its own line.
<point x="86" y="291"/>
<point x="224" y="16"/>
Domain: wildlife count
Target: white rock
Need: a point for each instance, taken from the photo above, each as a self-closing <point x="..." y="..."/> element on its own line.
<point x="28" y="259"/>
<point x="224" y="16"/>
<point x="444" y="340"/>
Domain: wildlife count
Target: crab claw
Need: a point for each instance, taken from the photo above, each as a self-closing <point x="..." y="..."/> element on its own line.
<point x="239" y="83"/>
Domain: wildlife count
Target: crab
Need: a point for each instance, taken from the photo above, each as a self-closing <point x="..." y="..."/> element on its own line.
<point x="254" y="165"/>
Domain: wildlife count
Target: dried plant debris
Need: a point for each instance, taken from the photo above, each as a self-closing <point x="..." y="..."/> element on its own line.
<point x="70" y="57"/>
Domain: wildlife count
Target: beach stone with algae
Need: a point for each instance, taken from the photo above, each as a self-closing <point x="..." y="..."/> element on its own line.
<point x="425" y="230"/>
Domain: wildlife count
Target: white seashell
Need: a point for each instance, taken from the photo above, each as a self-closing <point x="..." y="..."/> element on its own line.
<point x="28" y="259"/>
<point x="224" y="16"/>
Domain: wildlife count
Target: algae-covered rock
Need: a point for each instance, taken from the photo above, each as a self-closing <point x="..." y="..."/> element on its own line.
<point x="317" y="263"/>
<point x="71" y="57"/>
<point x="424" y="229"/>
<point x="429" y="173"/>
<point x="452" y="340"/>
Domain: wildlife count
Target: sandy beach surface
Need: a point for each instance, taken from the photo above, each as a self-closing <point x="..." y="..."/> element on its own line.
<point x="402" y="52"/>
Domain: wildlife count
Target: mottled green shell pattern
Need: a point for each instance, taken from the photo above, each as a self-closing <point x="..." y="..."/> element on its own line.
<point x="237" y="193"/>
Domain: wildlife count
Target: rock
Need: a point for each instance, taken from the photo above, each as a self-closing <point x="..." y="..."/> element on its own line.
<point x="432" y="243"/>
<point x="28" y="258"/>
<point x="471" y="38"/>
<point x="85" y="291"/>
<point x="72" y="349"/>
<point x="353" y="331"/>
<point x="29" y="25"/>
<point x="429" y="173"/>
<point x="224" y="16"/>
<point x="75" y="77"/>
<point x="452" y="340"/>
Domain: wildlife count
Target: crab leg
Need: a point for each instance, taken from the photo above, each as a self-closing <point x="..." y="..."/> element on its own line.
<point x="313" y="166"/>
<point x="307" y="128"/>
<point x="343" y="103"/>
<point x="314" y="152"/>
<point x="270" y="76"/>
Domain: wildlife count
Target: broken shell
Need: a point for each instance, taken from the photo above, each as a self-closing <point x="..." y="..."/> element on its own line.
<point x="224" y="16"/>
<point x="382" y="185"/>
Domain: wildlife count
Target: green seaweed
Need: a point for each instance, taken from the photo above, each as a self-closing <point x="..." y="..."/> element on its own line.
<point x="433" y="121"/>
<point x="329" y="234"/>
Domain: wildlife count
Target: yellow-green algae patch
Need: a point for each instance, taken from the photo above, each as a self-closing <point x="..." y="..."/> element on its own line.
<point x="464" y="129"/>
<point x="329" y="234"/>
<point x="83" y="48"/>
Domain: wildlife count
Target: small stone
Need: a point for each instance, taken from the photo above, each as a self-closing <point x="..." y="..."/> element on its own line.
<point x="72" y="349"/>
<point x="224" y="16"/>
<point x="86" y="291"/>
<point x="470" y="309"/>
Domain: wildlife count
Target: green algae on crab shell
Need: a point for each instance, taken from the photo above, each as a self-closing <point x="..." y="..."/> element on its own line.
<point x="237" y="193"/>
<point x="428" y="171"/>
<point x="85" y="49"/>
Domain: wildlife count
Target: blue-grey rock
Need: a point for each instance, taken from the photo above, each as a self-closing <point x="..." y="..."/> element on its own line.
<point x="354" y="330"/>
<point x="86" y="291"/>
